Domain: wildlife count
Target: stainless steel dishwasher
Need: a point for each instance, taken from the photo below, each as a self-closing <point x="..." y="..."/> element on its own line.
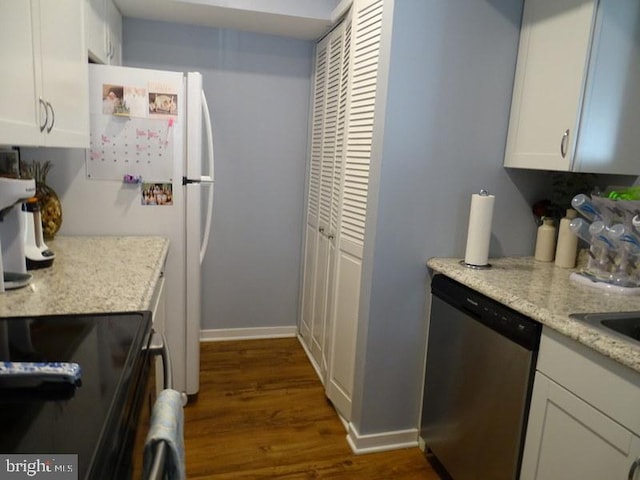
<point x="481" y="358"/>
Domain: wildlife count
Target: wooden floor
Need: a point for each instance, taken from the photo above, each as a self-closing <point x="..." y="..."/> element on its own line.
<point x="262" y="413"/>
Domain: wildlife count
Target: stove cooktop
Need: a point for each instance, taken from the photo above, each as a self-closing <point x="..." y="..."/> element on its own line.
<point x="62" y="418"/>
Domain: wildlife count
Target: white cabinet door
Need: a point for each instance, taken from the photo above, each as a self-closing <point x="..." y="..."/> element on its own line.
<point x="45" y="83"/>
<point x="18" y="83"/>
<point x="65" y="73"/>
<point x="568" y="438"/>
<point x="96" y="30"/>
<point x="608" y="141"/>
<point x="550" y="76"/>
<point x="103" y="32"/>
<point x="114" y="33"/>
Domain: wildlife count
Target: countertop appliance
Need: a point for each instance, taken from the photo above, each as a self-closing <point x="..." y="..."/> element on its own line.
<point x="148" y="171"/>
<point x="37" y="252"/>
<point x="481" y="358"/>
<point x="97" y="420"/>
<point x="13" y="268"/>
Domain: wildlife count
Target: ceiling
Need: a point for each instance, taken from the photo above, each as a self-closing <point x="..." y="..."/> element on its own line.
<point x="304" y="19"/>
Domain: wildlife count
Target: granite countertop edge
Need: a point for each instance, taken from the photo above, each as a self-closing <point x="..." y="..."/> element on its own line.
<point x="92" y="274"/>
<point x="550" y="302"/>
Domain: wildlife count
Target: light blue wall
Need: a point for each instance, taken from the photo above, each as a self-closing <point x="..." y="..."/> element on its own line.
<point x="258" y="90"/>
<point x="449" y="92"/>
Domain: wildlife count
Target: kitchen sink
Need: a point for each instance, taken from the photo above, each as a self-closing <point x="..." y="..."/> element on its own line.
<point x="625" y="324"/>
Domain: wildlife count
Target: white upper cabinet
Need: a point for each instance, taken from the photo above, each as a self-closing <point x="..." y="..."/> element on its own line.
<point x="18" y="100"/>
<point x="95" y="30"/>
<point x="44" y="89"/>
<point x="575" y="89"/>
<point x="103" y="30"/>
<point x="609" y="137"/>
<point x="552" y="57"/>
<point x="114" y="33"/>
<point x="65" y="74"/>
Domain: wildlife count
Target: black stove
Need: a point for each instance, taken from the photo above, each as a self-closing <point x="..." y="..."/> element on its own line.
<point x="95" y="420"/>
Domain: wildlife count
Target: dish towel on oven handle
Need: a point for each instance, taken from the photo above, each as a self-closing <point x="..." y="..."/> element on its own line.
<point x="167" y="425"/>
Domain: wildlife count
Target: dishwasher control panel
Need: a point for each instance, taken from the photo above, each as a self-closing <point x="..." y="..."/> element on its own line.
<point x="504" y="320"/>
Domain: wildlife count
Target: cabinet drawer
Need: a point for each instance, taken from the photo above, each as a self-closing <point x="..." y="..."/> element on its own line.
<point x="607" y="385"/>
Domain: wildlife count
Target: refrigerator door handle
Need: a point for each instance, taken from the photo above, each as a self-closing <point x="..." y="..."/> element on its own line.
<point x="209" y="132"/>
<point x="209" y="178"/>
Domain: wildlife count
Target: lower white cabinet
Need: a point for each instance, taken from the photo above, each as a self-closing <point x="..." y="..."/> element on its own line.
<point x="569" y="439"/>
<point x="583" y="422"/>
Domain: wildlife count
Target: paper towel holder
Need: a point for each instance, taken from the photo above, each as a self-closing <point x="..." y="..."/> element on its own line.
<point x="482" y="193"/>
<point x="475" y="267"/>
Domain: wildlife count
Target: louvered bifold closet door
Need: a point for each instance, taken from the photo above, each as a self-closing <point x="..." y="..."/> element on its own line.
<point x="329" y="202"/>
<point x="322" y="212"/>
<point x="336" y="188"/>
<point x="365" y="37"/>
<point x="366" y="46"/>
<point x="313" y="198"/>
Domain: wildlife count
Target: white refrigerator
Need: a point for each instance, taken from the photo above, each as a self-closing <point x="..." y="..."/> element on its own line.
<point x="149" y="171"/>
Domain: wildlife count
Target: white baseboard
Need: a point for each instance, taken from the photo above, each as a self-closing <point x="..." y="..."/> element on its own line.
<point x="380" y="442"/>
<point x="221" y="334"/>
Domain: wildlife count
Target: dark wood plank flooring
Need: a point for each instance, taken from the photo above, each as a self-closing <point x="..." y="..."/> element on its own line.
<point x="261" y="413"/>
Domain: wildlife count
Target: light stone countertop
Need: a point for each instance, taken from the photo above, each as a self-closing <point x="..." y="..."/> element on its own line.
<point x="544" y="292"/>
<point x="91" y="274"/>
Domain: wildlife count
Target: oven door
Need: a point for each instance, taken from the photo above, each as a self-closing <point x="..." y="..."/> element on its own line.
<point x="135" y="416"/>
<point x="163" y="377"/>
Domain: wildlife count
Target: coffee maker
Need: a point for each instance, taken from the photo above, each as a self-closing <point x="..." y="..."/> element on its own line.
<point x="13" y="192"/>
<point x="37" y="253"/>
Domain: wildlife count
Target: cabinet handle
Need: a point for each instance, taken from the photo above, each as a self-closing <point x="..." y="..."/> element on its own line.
<point x="46" y="114"/>
<point x="563" y="143"/>
<point x="321" y="229"/>
<point x="53" y="117"/>
<point x="331" y="236"/>
<point x="634" y="467"/>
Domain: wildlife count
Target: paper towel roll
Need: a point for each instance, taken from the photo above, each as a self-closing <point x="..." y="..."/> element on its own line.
<point x="479" y="232"/>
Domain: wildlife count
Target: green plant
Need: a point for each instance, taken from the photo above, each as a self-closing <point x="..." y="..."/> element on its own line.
<point x="36" y="170"/>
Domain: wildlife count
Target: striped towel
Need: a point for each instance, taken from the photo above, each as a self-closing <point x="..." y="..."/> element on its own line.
<point x="167" y="424"/>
